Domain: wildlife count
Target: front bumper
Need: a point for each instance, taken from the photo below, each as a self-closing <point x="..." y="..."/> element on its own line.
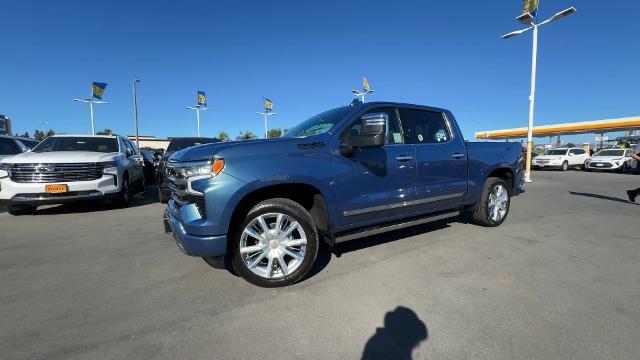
<point x="194" y="245"/>
<point x="602" y="165"/>
<point x="34" y="193"/>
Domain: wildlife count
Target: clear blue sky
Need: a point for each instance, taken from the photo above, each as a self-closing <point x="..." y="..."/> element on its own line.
<point x="306" y="56"/>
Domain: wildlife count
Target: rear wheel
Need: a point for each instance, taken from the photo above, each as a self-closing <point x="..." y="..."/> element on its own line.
<point x="276" y="244"/>
<point x="17" y="210"/>
<point x="494" y="203"/>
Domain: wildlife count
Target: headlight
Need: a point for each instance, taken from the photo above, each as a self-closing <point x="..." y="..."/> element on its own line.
<point x="208" y="169"/>
<point x="109" y="167"/>
<point x="4" y="170"/>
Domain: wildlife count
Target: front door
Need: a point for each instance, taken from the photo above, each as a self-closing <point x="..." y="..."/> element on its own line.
<point x="372" y="184"/>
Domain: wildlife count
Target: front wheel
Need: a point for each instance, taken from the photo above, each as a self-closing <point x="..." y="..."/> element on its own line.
<point x="17" y="210"/>
<point x="565" y="166"/>
<point x="125" y="193"/>
<point x="276" y="244"/>
<point x="494" y="203"/>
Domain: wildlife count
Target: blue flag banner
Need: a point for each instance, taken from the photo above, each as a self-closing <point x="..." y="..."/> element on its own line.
<point x="202" y="99"/>
<point x="268" y="105"/>
<point x="98" y="90"/>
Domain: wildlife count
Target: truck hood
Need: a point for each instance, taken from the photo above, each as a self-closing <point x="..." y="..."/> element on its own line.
<point x="60" y="157"/>
<point x="607" y="158"/>
<point x="549" y="157"/>
<point x="207" y="151"/>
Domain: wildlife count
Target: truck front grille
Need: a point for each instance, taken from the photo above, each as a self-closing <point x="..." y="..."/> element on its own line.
<point x="49" y="173"/>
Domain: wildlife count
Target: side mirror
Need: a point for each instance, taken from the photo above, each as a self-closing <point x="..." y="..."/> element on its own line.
<point x="373" y="132"/>
<point x="128" y="152"/>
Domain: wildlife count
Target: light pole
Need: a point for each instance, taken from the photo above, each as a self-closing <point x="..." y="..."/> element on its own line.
<point x="91" y="101"/>
<point x="135" y="109"/>
<point x="366" y="89"/>
<point x="266" y="114"/>
<point x="528" y="19"/>
<point x="198" y="108"/>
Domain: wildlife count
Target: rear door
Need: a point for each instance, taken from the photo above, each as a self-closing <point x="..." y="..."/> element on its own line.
<point x="441" y="163"/>
<point x="374" y="184"/>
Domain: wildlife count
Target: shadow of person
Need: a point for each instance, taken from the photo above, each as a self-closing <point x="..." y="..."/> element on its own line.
<point x="402" y="332"/>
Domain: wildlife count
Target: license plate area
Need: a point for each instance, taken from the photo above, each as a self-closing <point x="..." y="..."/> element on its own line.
<point x="56" y="189"/>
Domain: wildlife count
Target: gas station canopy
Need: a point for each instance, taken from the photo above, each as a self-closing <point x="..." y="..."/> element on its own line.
<point x="584" y="127"/>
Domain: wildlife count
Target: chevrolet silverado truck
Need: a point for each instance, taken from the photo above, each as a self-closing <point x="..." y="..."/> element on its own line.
<point x="65" y="168"/>
<point x="263" y="206"/>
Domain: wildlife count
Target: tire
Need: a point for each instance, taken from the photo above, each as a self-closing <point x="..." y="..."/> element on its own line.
<point x="125" y="193"/>
<point x="565" y="166"/>
<point x="270" y="249"/>
<point x="17" y="210"/>
<point x="164" y="197"/>
<point x="483" y="214"/>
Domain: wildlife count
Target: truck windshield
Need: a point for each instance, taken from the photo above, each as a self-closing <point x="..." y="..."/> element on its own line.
<point x="318" y="124"/>
<point x="178" y="144"/>
<point x="555" y="152"/>
<point x="610" y="153"/>
<point x="72" y="143"/>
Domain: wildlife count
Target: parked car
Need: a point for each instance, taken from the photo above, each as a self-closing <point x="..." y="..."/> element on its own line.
<point x="13" y="145"/>
<point x="150" y="165"/>
<point x="176" y="144"/>
<point x="346" y="173"/>
<point x="65" y="168"/>
<point x="561" y="158"/>
<point x="611" y="160"/>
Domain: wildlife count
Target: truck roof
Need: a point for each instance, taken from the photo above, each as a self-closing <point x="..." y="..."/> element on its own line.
<point x="391" y="103"/>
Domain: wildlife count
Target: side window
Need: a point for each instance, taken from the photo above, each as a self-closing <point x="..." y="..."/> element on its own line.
<point x="574" y="151"/>
<point x="7" y="147"/>
<point x="123" y="145"/>
<point x="132" y="146"/>
<point x="580" y="152"/>
<point x="424" y="127"/>
<point x="394" y="133"/>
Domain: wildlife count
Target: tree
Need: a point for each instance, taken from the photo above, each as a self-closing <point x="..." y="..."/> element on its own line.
<point x="105" y="132"/>
<point x="49" y="133"/>
<point x="25" y="135"/>
<point x="38" y="135"/>
<point x="223" y="136"/>
<point x="246" y="135"/>
<point x="274" y="133"/>
<point x="571" y="145"/>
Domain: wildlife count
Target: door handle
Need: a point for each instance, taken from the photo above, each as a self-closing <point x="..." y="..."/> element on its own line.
<point x="404" y="158"/>
<point x="457" y="156"/>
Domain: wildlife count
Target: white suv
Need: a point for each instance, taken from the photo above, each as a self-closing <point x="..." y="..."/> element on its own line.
<point x="65" y="168"/>
<point x="561" y="158"/>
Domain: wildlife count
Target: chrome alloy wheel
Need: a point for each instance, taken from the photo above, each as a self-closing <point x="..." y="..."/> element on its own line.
<point x="273" y="245"/>
<point x="498" y="203"/>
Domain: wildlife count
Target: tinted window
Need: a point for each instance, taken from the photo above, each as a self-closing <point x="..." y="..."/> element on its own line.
<point x="178" y="144"/>
<point x="131" y="146"/>
<point x="394" y="134"/>
<point x="579" y="151"/>
<point x="73" y="143"/>
<point x="610" y="153"/>
<point x="7" y="147"/>
<point x="29" y="143"/>
<point x="424" y="127"/>
<point x="318" y="124"/>
<point x="555" y="152"/>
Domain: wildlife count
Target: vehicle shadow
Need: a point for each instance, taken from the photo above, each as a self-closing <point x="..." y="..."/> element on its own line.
<point x="603" y="197"/>
<point x="150" y="196"/>
<point x="403" y="331"/>
<point x="325" y="253"/>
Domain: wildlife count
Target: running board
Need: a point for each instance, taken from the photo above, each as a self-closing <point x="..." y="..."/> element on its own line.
<point x="394" y="226"/>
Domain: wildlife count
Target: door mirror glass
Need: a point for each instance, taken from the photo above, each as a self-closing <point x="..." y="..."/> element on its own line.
<point x="128" y="152"/>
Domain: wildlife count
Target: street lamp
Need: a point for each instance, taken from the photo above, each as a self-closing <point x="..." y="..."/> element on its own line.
<point x="135" y="109"/>
<point x="198" y="108"/>
<point x="266" y="114"/>
<point x="528" y="19"/>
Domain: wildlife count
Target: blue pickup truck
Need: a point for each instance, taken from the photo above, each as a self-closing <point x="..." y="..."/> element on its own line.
<point x="263" y="206"/>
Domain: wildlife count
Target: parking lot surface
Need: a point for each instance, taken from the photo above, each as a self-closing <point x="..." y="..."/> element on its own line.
<point x="559" y="280"/>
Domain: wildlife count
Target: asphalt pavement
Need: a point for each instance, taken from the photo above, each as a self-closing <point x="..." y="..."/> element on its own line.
<point x="559" y="280"/>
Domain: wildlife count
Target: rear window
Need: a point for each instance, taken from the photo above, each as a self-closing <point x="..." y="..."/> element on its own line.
<point x="72" y="143"/>
<point x="178" y="144"/>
